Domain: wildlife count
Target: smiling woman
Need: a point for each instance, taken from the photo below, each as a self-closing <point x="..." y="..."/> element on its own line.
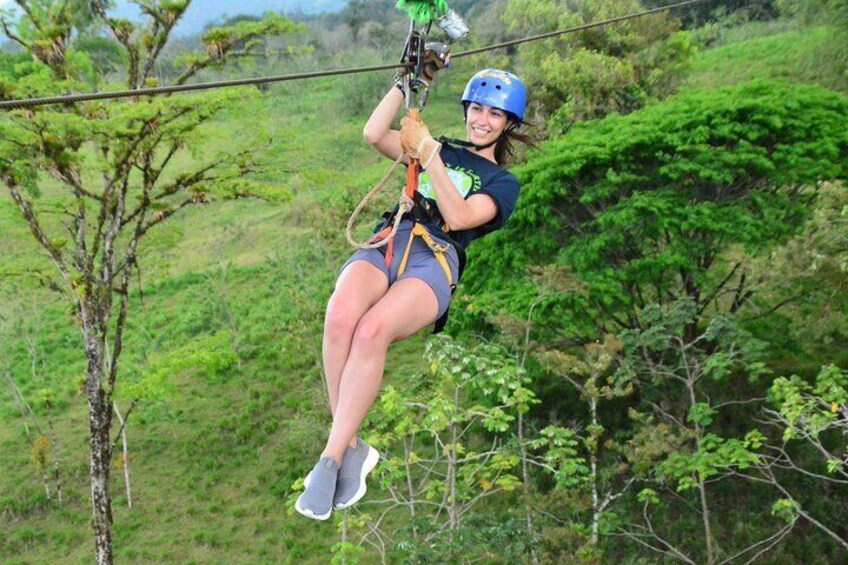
<point x="382" y="297"/>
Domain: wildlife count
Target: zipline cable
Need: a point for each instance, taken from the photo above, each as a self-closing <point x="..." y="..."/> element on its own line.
<point x="575" y="29"/>
<point x="73" y="98"/>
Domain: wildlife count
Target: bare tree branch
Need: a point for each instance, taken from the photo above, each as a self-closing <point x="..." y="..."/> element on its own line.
<point x="35" y="227"/>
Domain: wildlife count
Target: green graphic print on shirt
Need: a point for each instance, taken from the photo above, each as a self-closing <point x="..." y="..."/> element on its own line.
<point x="464" y="180"/>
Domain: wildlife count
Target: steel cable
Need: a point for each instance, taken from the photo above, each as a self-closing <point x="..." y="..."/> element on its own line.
<point x="74" y="98"/>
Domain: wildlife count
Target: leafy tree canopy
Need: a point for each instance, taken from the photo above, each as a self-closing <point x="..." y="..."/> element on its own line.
<point x="664" y="203"/>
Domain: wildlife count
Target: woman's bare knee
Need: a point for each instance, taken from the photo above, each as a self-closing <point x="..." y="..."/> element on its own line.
<point x="341" y="319"/>
<point x="372" y="331"/>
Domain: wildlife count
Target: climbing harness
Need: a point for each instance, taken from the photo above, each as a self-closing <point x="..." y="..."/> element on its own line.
<point x="411" y="205"/>
<point x="413" y="81"/>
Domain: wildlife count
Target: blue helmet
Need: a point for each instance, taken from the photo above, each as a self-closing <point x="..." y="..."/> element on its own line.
<point x="498" y="89"/>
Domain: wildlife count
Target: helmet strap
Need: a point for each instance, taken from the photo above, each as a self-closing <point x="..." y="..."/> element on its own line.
<point x="463" y="143"/>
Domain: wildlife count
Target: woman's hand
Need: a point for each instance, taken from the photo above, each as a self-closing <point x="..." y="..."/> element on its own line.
<point x="417" y="142"/>
<point x="436" y="58"/>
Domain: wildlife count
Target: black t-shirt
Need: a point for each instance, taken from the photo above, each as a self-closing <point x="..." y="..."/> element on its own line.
<point x="472" y="174"/>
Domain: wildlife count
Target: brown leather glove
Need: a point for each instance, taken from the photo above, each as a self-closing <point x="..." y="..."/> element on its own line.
<point x="417" y="142"/>
<point x="436" y="58"/>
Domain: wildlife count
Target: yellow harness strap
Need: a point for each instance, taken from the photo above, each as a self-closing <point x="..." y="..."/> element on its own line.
<point x="439" y="251"/>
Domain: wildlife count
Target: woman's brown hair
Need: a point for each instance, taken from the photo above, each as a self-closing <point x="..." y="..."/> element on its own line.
<point x="505" y="146"/>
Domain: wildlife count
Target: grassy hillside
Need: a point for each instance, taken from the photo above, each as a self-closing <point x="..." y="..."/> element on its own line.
<point x="806" y="55"/>
<point x="216" y="447"/>
<point x="226" y="334"/>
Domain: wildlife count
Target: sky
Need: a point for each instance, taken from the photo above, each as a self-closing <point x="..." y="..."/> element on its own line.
<point x="203" y="11"/>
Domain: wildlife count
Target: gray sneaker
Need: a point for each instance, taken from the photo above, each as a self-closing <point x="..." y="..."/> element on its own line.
<point x="317" y="499"/>
<point x="357" y="463"/>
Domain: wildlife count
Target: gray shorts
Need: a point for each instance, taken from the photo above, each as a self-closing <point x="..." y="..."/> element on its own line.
<point x="422" y="264"/>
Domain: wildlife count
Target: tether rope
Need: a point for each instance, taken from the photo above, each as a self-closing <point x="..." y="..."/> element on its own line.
<point x="73" y="98"/>
<point x="405" y="204"/>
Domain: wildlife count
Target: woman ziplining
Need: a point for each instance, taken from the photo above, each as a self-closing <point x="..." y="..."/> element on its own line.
<point x="387" y="294"/>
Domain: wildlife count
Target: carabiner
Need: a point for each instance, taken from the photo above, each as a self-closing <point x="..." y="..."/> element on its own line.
<point x="413" y="61"/>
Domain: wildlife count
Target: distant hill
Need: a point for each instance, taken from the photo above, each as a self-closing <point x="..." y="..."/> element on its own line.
<point x="202" y="12"/>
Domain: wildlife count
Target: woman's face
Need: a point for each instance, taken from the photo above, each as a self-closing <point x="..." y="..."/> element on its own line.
<point x="484" y="124"/>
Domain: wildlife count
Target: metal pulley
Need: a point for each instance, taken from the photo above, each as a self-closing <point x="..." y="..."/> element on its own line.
<point x="413" y="60"/>
<point x="416" y="50"/>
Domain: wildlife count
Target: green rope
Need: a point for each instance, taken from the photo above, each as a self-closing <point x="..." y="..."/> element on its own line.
<point x="423" y="11"/>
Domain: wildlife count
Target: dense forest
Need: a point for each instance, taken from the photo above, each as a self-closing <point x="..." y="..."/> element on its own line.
<point x="648" y="364"/>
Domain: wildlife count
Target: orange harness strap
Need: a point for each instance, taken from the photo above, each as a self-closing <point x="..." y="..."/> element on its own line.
<point x="418" y="230"/>
<point x="410" y="190"/>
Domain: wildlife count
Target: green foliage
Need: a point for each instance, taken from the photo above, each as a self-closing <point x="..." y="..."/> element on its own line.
<point x="786" y="510"/>
<point x="688" y="371"/>
<point x="808" y="410"/>
<point x="210" y="356"/>
<point x="251" y="278"/>
<point x="469" y="394"/>
<point x="812" y="264"/>
<point x="423" y="11"/>
<point x="561" y="454"/>
<point x="713" y="457"/>
<point x="648" y="495"/>
<point x="701" y="414"/>
<point x="245" y="35"/>
<point x="13" y="65"/>
<point x="599" y="71"/>
<point x="345" y="553"/>
<point x="640" y="207"/>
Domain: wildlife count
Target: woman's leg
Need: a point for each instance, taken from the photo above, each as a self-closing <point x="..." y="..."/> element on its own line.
<point x="359" y="287"/>
<point x="408" y="306"/>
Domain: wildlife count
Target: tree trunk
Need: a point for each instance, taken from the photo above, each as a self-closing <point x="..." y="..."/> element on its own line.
<point x="126" y="454"/>
<point x="100" y="419"/>
<point x="593" y="456"/>
<point x="702" y="489"/>
<point x="54" y="442"/>
<point x="453" y="513"/>
<point x="45" y="478"/>
<point x="705" y="512"/>
<point x="407" y="459"/>
<point x="101" y="499"/>
<point x="525" y="477"/>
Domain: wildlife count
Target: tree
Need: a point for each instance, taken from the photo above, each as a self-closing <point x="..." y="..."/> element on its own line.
<point x="807" y="276"/>
<point x="739" y="10"/>
<point x="832" y="11"/>
<point x="450" y="444"/>
<point x="666" y="203"/>
<point x="663" y="223"/>
<point x="814" y="415"/>
<point x="133" y="147"/>
<point x="594" y="372"/>
<point x="44" y="443"/>
<point x="678" y="381"/>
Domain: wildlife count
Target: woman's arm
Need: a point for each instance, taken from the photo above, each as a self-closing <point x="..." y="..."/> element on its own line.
<point x="378" y="130"/>
<point x="459" y="213"/>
